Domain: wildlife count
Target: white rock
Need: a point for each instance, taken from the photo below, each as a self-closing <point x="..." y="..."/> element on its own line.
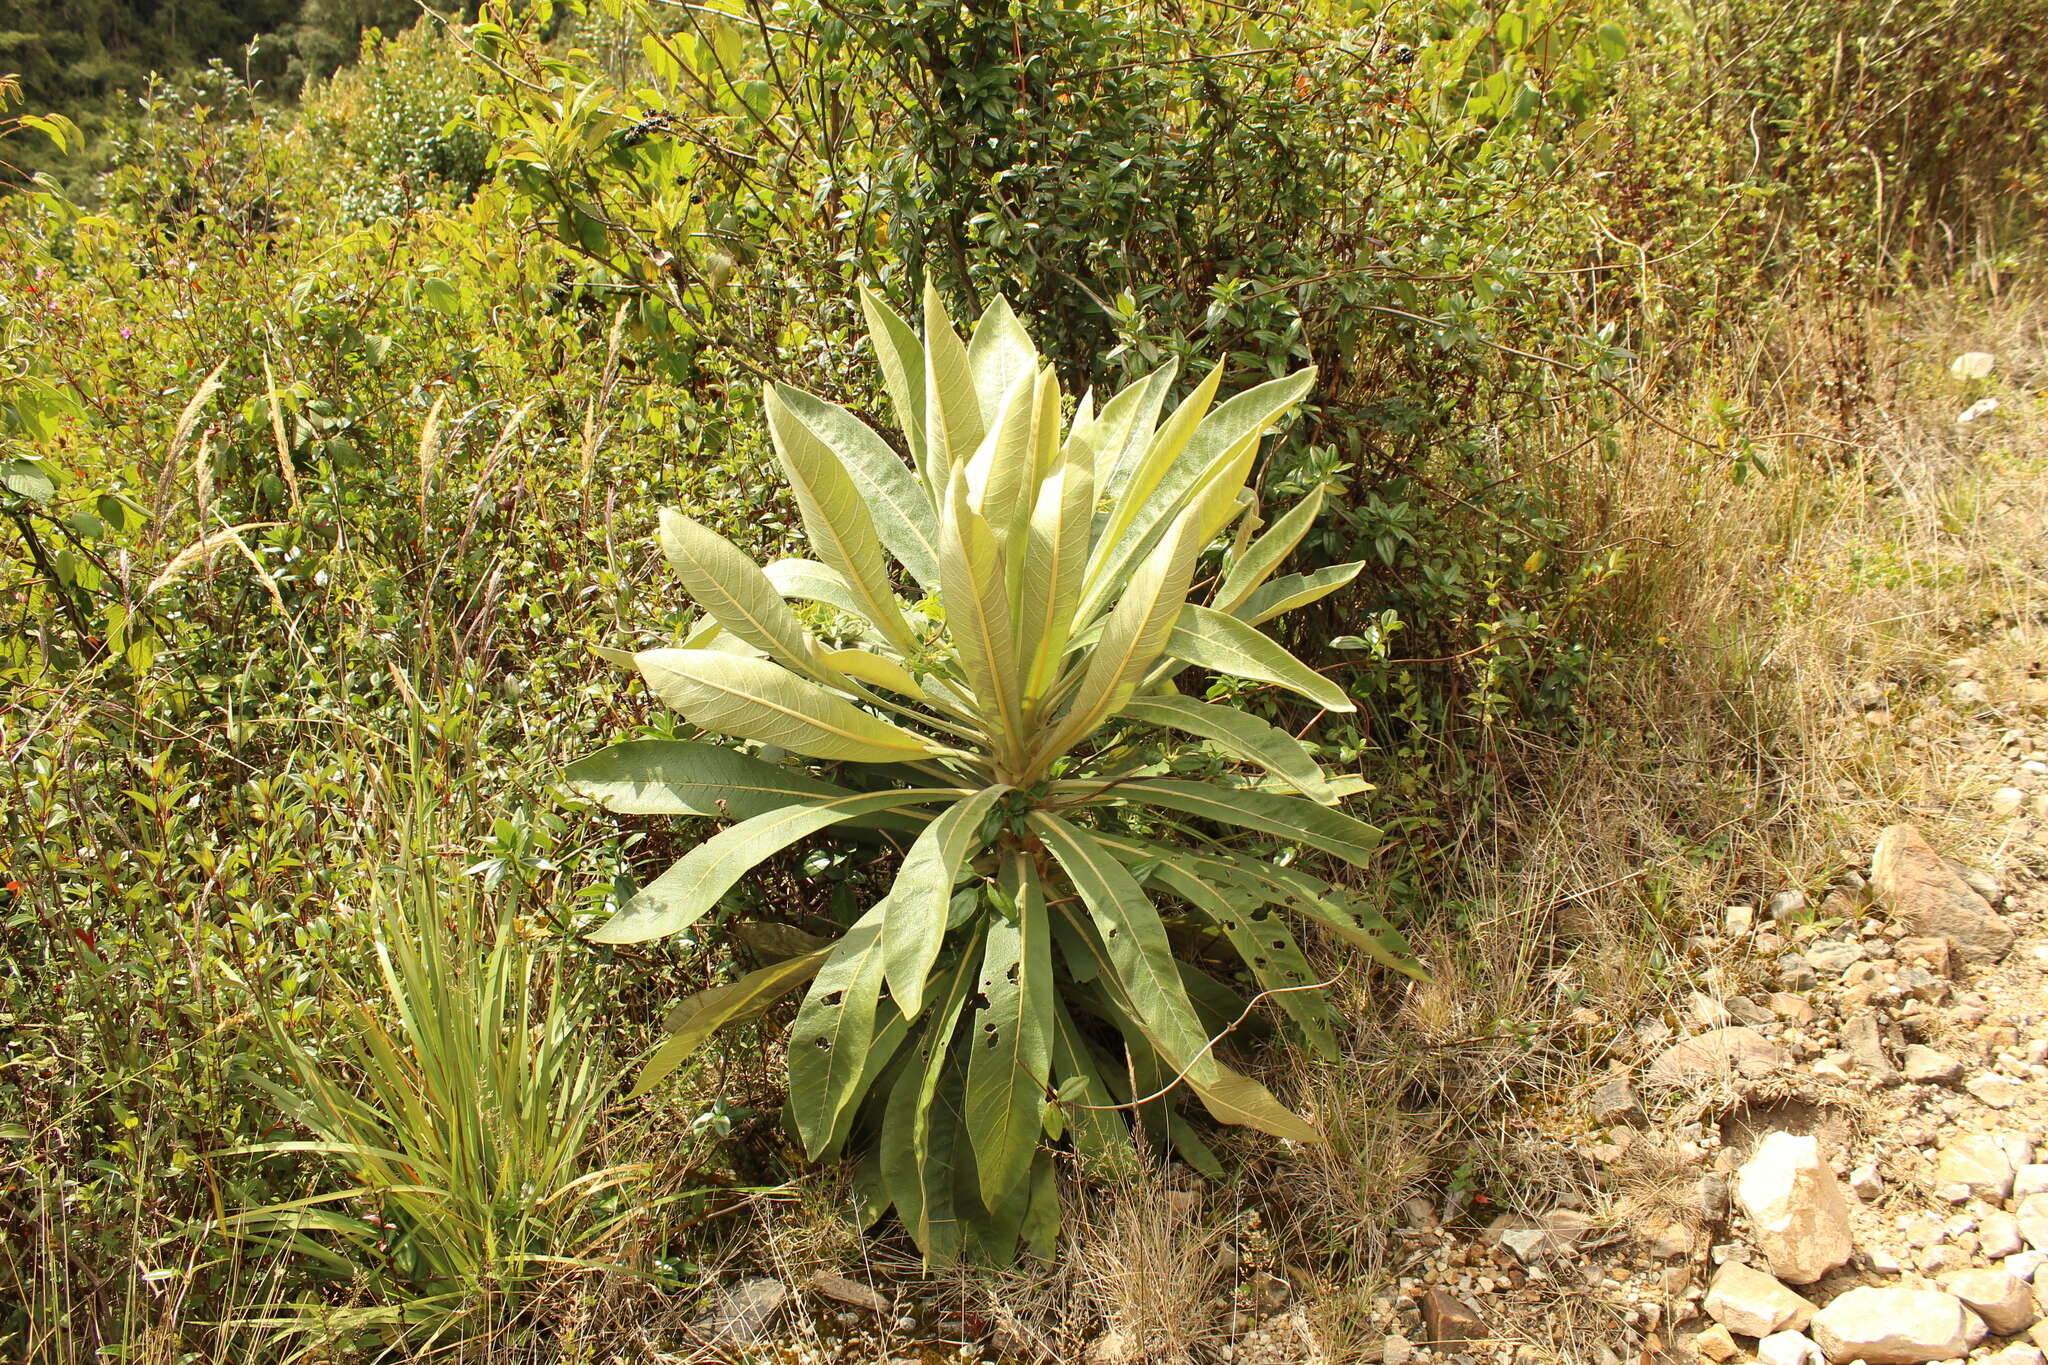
<point x="2000" y="1092"/>
<point x="2019" y="1353"/>
<point x="1737" y="921"/>
<point x="2004" y="1302"/>
<point x="2021" y="1265"/>
<point x="1896" y="1327"/>
<point x="1745" y="1300"/>
<point x="1998" y="1236"/>
<point x="1973" y="365"/>
<point x="1716" y="1344"/>
<point x="1979" y="1164"/>
<point x="2007" y="801"/>
<point x="2030" y="1179"/>
<point x="1865" y="1183"/>
<point x="1788" y="1348"/>
<point x="1795" y="1208"/>
<point x="1923" y="1064"/>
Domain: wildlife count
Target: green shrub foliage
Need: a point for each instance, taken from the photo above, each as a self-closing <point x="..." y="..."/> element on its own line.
<point x="1019" y="977"/>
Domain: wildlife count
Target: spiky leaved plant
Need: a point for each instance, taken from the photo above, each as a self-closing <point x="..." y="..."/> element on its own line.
<point x="996" y="701"/>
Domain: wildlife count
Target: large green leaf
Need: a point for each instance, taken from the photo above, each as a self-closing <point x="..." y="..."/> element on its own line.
<point x="902" y="360"/>
<point x="1226" y="440"/>
<point x="830" y="1043"/>
<point x="684" y="777"/>
<point x="916" y="908"/>
<point x="1133" y="638"/>
<point x="708" y="1011"/>
<point x="1223" y="644"/>
<point x="1135" y="942"/>
<point x="999" y="355"/>
<point x="755" y="699"/>
<point x="1001" y="480"/>
<point x="1122" y="431"/>
<point x="1283" y="595"/>
<point x="1262" y="942"/>
<point x="920" y="1180"/>
<point x="904" y="516"/>
<point x="953" y="421"/>
<point x="1010" y="1041"/>
<point x="679" y="897"/>
<point x="1055" y="562"/>
<point x="978" y="613"/>
<point x="810" y="581"/>
<point x="1354" y="921"/>
<point x="1241" y="736"/>
<point x="731" y="587"/>
<point x="1248" y="570"/>
<point x="1288" y="817"/>
<point x="835" y="515"/>
<point x="1099" y="1136"/>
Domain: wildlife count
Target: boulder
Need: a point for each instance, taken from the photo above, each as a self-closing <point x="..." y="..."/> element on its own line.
<point x="1925" y="894"/>
<point x="2005" y="1302"/>
<point x="1737" y="1050"/>
<point x="1744" y="1299"/>
<point x="1795" y="1208"/>
<point x="1896" y="1327"/>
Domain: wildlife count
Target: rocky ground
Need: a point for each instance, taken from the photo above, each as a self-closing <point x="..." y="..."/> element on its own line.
<point x="1841" y="1154"/>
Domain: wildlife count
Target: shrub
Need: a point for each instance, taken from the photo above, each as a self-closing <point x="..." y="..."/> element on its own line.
<point x="1010" y="721"/>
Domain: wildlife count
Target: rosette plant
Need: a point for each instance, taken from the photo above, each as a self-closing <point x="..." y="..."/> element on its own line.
<point x="1000" y="700"/>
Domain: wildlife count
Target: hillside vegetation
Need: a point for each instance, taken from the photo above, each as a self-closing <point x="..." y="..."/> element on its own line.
<point x="1602" y="351"/>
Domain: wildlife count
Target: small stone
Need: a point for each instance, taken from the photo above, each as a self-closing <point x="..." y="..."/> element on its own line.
<point x="1969" y="693"/>
<point x="1744" y="1299"/>
<point x="848" y="1291"/>
<point x="1924" y="1065"/>
<point x="1114" y="1347"/>
<point x="1795" y="1207"/>
<point x="1832" y="957"/>
<point x="2031" y="1178"/>
<point x="2007" y="801"/>
<point x="1716" y="1344"/>
<point x="1447" y="1318"/>
<point x="2005" y="1303"/>
<point x="1529" y="1245"/>
<point x="2033" y="1219"/>
<point x="1666" y="1239"/>
<point x="1614" y="1102"/>
<point x="1998" y="1236"/>
<point x="2000" y="1092"/>
<point x="1785" y="905"/>
<point x="1937" y="955"/>
<point x="1789" y="1348"/>
<point x="1864" y="1042"/>
<point x="1396" y="1350"/>
<point x="1793" y="1008"/>
<point x="1708" y="1012"/>
<point x="2022" y="1265"/>
<point x="1896" y="1327"/>
<point x="743" y="1310"/>
<point x="1979" y="1164"/>
<point x="1865" y="1183"/>
<point x="1921" y="890"/>
<point x="1718" y="1052"/>
<point x="1737" y="921"/>
<point x="2019" y="1353"/>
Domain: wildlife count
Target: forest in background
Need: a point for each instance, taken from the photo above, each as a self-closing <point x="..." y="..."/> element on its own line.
<point x="341" y="400"/>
